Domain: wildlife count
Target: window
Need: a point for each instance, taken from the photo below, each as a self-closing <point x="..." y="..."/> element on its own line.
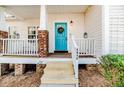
<point x="32" y="32"/>
<point x="13" y="34"/>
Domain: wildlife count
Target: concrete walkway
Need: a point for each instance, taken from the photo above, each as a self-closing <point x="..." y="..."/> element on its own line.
<point x="58" y="74"/>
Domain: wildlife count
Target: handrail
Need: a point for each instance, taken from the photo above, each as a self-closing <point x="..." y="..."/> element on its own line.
<point x="75" y="56"/>
<point x="74" y="42"/>
<point x="81" y="46"/>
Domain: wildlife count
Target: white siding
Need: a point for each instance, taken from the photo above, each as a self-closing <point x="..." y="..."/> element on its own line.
<point x="93" y="26"/>
<point x="77" y="29"/>
<point x="116" y="28"/>
<point x="22" y="26"/>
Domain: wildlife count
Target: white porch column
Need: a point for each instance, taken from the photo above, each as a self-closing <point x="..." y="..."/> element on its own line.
<point x="43" y="35"/>
<point x="43" y="17"/>
<point x="3" y="26"/>
<point x="105" y="29"/>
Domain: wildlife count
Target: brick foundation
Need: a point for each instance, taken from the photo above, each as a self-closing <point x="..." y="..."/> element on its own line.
<point x="19" y="69"/>
<point x="3" y="68"/>
<point x="43" y="43"/>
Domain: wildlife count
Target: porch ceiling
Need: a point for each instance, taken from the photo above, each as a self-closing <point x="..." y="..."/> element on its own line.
<point x="33" y="11"/>
<point x="67" y="8"/>
<point x="24" y="11"/>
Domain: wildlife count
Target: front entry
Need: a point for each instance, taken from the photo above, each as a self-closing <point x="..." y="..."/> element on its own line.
<point x="60" y="36"/>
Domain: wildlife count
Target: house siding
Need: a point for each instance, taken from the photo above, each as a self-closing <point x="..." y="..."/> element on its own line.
<point x="77" y="29"/>
<point x="116" y="29"/>
<point x="93" y="26"/>
<point x="22" y="25"/>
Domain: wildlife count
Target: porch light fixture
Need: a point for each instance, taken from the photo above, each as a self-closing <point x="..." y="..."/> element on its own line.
<point x="85" y="35"/>
<point x="71" y="23"/>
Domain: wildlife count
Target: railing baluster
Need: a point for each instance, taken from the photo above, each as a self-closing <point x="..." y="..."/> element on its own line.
<point x="10" y="46"/>
<point x="34" y="46"/>
<point x="19" y="46"/>
<point x="24" y="47"/>
<point x="8" y="51"/>
<point x="31" y="46"/>
<point x="29" y="42"/>
<point x="3" y="46"/>
<point x="28" y="46"/>
<point x="94" y="47"/>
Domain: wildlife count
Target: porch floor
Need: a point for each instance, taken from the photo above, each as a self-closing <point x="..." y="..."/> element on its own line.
<point x="20" y="59"/>
<point x="55" y="57"/>
<point x="59" y="55"/>
<point x="58" y="74"/>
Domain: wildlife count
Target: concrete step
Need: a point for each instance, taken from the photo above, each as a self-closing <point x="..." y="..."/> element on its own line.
<point x="56" y="68"/>
<point x="65" y="81"/>
<point x="59" y="74"/>
<point x="57" y="85"/>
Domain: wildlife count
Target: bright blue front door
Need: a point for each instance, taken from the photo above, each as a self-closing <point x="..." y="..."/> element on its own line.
<point x="60" y="36"/>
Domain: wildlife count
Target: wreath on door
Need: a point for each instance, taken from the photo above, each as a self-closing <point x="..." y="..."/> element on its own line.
<point x="60" y="29"/>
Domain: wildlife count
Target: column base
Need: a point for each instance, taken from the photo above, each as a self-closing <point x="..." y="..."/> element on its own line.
<point x="19" y="69"/>
<point x="43" y="43"/>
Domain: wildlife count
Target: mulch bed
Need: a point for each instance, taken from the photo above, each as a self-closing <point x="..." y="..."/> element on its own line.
<point x="30" y="79"/>
<point x="91" y="77"/>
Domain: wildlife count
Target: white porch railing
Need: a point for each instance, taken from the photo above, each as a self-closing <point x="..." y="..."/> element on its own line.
<point x="20" y="47"/>
<point x="86" y="46"/>
<point x="81" y="46"/>
<point x="75" y="56"/>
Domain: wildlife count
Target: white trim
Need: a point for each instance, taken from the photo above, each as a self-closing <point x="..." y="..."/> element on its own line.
<point x="15" y="60"/>
<point x="43" y="17"/>
<point x="29" y="60"/>
<point x="57" y="21"/>
<point x="105" y="29"/>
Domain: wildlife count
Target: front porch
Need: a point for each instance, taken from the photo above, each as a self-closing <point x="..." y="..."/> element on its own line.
<point x="44" y="34"/>
<point x="39" y="44"/>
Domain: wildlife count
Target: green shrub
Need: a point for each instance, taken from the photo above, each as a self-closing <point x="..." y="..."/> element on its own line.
<point x="113" y="69"/>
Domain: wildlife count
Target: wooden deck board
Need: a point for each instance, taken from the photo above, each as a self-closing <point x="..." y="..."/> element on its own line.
<point x="59" y="55"/>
